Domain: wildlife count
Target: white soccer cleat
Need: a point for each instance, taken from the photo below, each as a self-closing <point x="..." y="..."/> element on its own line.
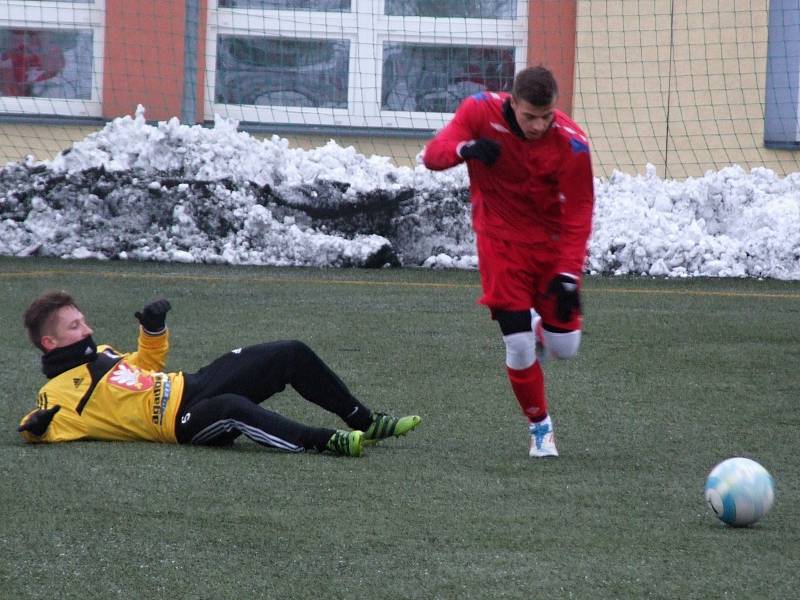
<point x="543" y="440"/>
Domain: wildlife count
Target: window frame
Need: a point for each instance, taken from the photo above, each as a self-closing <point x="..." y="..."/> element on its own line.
<point x="65" y="16"/>
<point x="367" y="28"/>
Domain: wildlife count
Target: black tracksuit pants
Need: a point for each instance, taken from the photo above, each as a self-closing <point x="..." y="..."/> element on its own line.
<point x="222" y="400"/>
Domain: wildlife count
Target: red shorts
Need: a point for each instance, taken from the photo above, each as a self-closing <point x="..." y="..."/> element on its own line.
<point x="515" y="278"/>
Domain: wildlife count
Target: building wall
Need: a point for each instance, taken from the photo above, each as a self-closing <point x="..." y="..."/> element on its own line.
<point x="677" y="84"/>
<point x="43" y="142"/>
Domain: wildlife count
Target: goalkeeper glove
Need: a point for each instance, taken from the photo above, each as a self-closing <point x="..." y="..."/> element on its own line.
<point x="38" y="422"/>
<point x="153" y="316"/>
<point x="485" y="150"/>
<point x="568" y="299"/>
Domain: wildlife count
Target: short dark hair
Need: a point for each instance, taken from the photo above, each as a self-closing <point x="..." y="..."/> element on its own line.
<point x="535" y="85"/>
<point x="39" y="313"/>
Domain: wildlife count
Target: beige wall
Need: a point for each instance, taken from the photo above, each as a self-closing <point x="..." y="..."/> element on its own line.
<point x="695" y="107"/>
<point x="41" y="141"/>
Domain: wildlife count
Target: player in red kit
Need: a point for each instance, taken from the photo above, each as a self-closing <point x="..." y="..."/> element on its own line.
<point x="532" y="195"/>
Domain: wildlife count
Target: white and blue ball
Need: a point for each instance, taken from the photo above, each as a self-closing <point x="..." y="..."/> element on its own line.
<point x="739" y="491"/>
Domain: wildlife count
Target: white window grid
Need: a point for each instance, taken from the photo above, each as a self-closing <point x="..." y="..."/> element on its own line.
<point x="67" y="16"/>
<point x="367" y="28"/>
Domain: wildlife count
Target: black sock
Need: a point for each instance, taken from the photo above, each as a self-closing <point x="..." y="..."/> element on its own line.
<point x="360" y="418"/>
<point x="320" y="437"/>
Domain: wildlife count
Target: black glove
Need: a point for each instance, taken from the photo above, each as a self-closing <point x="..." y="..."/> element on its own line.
<point x="568" y="298"/>
<point x="38" y="422"/>
<point x="154" y="316"/>
<point x="485" y="150"/>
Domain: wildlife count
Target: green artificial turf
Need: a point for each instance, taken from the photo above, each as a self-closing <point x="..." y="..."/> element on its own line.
<point x="673" y="376"/>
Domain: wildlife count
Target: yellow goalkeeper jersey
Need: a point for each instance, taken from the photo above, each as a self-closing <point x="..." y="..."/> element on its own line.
<point x="120" y="397"/>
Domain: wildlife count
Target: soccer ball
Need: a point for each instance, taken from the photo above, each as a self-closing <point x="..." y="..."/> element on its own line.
<point x="739" y="491"/>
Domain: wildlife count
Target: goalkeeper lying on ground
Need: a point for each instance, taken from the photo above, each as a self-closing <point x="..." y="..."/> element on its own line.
<point x="97" y="393"/>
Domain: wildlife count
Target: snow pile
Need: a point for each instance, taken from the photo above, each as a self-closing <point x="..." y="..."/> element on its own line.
<point x="727" y="223"/>
<point x="171" y="192"/>
<point x="223" y="152"/>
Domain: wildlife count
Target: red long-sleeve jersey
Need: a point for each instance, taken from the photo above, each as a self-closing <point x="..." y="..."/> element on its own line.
<point x="538" y="191"/>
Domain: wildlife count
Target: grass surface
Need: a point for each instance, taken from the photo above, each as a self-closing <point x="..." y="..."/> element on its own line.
<point x="672" y="377"/>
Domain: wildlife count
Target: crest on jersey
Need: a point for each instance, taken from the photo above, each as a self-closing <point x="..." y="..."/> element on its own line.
<point x="126" y="377"/>
<point x="578" y="146"/>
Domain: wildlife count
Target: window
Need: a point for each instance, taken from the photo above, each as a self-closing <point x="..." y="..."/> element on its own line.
<point x="322" y="5"/>
<point x="474" y="9"/>
<point x="50" y="58"/>
<point x="434" y="78"/>
<point x="357" y="63"/>
<point x="282" y="72"/>
<point x="782" y="109"/>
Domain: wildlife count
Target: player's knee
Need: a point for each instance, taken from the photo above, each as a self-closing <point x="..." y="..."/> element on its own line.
<point x="297" y="347"/>
<point x="513" y="321"/>
<point x="295" y="351"/>
<point x="520" y="349"/>
<point x="562" y="345"/>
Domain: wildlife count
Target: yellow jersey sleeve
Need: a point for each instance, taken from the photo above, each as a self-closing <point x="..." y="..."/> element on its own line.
<point x="151" y="354"/>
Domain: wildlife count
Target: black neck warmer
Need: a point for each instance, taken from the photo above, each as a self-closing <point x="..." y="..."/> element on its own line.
<point x="63" y="359"/>
<point x="511" y="119"/>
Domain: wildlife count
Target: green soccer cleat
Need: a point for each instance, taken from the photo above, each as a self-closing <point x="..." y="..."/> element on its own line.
<point x="384" y="426"/>
<point x="346" y="443"/>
